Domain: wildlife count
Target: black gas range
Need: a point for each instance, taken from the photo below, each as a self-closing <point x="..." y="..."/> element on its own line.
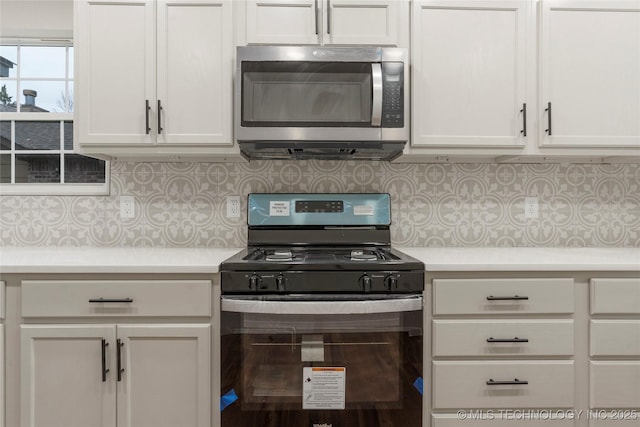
<point x="321" y="318"/>
<point x="320" y="243"/>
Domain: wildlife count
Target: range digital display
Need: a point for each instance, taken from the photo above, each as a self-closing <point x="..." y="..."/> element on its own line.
<point x="319" y="206"/>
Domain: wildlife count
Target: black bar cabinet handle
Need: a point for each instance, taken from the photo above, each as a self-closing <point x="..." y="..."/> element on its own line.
<point x="328" y="16"/>
<point x="548" y="110"/>
<point x="315" y="14"/>
<point x="515" y="339"/>
<point x="104" y="360"/>
<point x="147" y="108"/>
<point x="159" y="117"/>
<point x="514" y="382"/>
<point x="111" y="300"/>
<point x="524" y="119"/>
<point x="515" y="297"/>
<point x="119" y="345"/>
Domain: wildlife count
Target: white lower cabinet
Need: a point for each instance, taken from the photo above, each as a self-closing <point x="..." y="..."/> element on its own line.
<point x="90" y="357"/>
<point x="503" y="352"/>
<point x="115" y="375"/>
<point x="166" y="377"/>
<point x="615" y="384"/>
<point x="499" y="338"/>
<point x="503" y="384"/>
<point x="614" y="347"/>
<point x="62" y="376"/>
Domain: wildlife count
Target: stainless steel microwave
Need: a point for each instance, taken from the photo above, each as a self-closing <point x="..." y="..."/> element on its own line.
<point x="321" y="102"/>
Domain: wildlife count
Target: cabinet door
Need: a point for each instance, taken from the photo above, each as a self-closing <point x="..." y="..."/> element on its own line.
<point x="62" y="382"/>
<point x="364" y="22"/>
<point x="115" y="72"/>
<point x="469" y="72"/>
<point x="167" y="376"/>
<point x="195" y="55"/>
<point x="283" y="21"/>
<point x="590" y="54"/>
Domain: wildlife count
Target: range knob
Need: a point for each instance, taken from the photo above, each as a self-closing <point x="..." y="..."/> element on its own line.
<point x="280" y="283"/>
<point x="391" y="282"/>
<point x="365" y="282"/>
<point x="254" y="281"/>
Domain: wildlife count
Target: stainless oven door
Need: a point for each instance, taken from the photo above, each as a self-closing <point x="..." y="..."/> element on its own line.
<point x="322" y="360"/>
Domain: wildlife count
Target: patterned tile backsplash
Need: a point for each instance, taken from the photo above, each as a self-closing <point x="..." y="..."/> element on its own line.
<point x="183" y="204"/>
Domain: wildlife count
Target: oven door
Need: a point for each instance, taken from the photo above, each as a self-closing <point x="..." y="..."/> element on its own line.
<point x="339" y="361"/>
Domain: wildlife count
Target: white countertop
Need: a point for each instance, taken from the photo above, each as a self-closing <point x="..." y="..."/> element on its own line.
<point x="188" y="260"/>
<point x="112" y="260"/>
<point x="527" y="259"/>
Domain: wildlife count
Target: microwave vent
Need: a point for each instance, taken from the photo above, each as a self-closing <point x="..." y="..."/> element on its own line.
<point x="301" y="150"/>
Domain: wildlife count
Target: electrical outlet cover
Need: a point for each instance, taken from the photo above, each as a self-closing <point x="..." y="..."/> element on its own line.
<point x="233" y="207"/>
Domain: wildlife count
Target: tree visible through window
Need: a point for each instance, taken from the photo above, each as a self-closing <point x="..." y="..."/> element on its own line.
<point x="36" y="119"/>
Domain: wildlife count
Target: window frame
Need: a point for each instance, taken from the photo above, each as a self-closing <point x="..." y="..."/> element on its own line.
<point x="44" y="189"/>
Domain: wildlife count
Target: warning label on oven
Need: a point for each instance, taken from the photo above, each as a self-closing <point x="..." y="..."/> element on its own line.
<point x="279" y="208"/>
<point x="323" y="388"/>
<point x="362" y="210"/>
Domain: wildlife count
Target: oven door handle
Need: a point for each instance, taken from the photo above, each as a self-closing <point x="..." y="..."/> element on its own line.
<point x="320" y="305"/>
<point x="376" y="107"/>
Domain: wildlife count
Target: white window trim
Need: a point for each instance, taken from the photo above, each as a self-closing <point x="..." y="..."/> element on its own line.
<point x="49" y="189"/>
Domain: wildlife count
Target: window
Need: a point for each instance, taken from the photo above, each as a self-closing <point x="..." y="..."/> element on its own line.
<point x="36" y="125"/>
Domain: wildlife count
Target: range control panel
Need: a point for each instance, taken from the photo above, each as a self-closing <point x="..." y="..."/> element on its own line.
<point x="288" y="281"/>
<point x="392" y="95"/>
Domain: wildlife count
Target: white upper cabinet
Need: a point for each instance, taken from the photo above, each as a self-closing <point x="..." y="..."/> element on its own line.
<point x="329" y="22"/>
<point x="194" y="72"/>
<point x="282" y="21"/>
<point x="470" y="86"/>
<point x="114" y="45"/>
<point x="590" y="73"/>
<point x="155" y="74"/>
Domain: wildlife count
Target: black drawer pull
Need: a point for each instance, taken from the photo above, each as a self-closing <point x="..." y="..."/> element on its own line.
<point x="147" y="108"/>
<point x="514" y="382"/>
<point x="111" y="300"/>
<point x="159" y="117"/>
<point x="515" y="339"/>
<point x="524" y="119"/>
<point x="104" y="360"/>
<point x="119" y="345"/>
<point x="514" y="298"/>
<point x="548" y="110"/>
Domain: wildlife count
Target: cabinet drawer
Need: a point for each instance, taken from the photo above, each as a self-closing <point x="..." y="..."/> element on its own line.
<point x="146" y="298"/>
<point x="615" y="384"/>
<point x="496" y="418"/>
<point x="615" y="296"/>
<point x="502" y="338"/>
<point x="615" y="338"/>
<point x="462" y="384"/>
<point x="502" y="296"/>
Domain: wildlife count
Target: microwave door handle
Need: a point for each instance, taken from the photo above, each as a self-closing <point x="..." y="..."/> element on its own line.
<point x="376" y="107"/>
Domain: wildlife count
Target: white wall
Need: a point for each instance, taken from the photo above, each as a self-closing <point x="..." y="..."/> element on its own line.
<point x="36" y="19"/>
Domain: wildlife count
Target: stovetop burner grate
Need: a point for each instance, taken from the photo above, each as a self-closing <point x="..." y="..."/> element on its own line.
<point x="316" y="254"/>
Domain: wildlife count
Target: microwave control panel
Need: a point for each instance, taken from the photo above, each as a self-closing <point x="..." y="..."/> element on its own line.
<point x="392" y="95"/>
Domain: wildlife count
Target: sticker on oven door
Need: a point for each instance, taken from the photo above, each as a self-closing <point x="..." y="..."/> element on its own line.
<point x="279" y="208"/>
<point x="363" y="210"/>
<point x="323" y="387"/>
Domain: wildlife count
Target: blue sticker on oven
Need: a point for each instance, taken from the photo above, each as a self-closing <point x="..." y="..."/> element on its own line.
<point x="228" y="398"/>
<point x="419" y="385"/>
